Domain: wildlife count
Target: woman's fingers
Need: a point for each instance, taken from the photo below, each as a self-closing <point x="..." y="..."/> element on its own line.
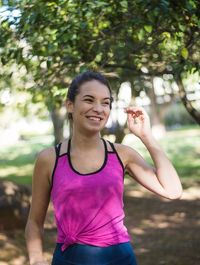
<point x="135" y="119"/>
<point x="136" y="112"/>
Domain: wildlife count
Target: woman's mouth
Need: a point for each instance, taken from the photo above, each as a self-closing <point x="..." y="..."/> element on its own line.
<point x="94" y="118"/>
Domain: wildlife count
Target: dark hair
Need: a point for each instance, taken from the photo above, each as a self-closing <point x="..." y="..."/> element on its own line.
<point x="82" y="78"/>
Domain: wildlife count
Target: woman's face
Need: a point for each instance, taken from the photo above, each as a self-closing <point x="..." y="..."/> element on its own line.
<point x="91" y="108"/>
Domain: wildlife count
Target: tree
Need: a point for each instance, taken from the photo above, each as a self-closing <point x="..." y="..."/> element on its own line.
<point x="121" y="37"/>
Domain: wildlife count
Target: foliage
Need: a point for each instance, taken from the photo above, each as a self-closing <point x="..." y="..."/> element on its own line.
<point x="134" y="40"/>
<point x="66" y="37"/>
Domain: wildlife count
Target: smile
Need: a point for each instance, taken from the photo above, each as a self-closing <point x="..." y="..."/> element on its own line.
<point x="94" y="118"/>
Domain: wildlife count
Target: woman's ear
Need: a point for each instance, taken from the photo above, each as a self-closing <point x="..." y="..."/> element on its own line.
<point x="69" y="106"/>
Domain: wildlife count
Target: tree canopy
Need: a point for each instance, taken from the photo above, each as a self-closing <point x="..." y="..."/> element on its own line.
<point x="126" y="39"/>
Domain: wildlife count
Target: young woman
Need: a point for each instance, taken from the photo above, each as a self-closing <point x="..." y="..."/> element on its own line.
<point x="83" y="176"/>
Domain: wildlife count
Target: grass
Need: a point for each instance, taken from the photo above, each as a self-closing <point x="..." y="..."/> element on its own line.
<point x="16" y="162"/>
<point x="183" y="149"/>
<point x="181" y="146"/>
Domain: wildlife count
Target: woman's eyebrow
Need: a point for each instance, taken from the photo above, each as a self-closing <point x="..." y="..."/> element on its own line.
<point x="88" y="96"/>
<point x="94" y="97"/>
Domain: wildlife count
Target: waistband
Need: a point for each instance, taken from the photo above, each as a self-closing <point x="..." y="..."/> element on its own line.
<point x="78" y="254"/>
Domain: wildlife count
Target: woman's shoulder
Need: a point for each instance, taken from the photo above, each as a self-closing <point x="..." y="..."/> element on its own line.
<point x="122" y="148"/>
<point x="49" y="154"/>
<point x="123" y="152"/>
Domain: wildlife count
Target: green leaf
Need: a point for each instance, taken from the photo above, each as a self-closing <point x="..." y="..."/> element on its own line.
<point x="166" y="35"/>
<point x="184" y="53"/>
<point x="124" y="4"/>
<point x="182" y="27"/>
<point x="148" y="28"/>
<point x="98" y="57"/>
<point x="141" y="34"/>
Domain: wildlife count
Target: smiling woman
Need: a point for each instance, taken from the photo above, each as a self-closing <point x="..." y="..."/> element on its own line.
<point x="84" y="176"/>
<point x="91" y="106"/>
<point x="92" y="93"/>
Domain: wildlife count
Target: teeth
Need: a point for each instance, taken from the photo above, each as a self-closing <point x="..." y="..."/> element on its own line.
<point x="94" y="118"/>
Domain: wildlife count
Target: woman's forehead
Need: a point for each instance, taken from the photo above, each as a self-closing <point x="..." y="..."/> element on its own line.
<point x="94" y="88"/>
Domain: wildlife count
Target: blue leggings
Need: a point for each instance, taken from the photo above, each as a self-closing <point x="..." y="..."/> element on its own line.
<point x="78" y="254"/>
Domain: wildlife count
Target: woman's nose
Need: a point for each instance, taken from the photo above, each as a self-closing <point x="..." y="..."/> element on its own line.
<point x="97" y="107"/>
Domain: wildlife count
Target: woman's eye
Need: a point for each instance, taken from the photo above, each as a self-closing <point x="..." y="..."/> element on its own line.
<point x="106" y="103"/>
<point x="88" y="100"/>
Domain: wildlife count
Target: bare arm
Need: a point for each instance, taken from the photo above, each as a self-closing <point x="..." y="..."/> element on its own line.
<point x="40" y="201"/>
<point x="161" y="179"/>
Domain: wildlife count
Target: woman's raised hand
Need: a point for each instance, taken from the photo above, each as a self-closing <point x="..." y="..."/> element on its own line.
<point x="138" y="121"/>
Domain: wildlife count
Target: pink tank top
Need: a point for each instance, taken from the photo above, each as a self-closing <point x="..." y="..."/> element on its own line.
<point x="88" y="208"/>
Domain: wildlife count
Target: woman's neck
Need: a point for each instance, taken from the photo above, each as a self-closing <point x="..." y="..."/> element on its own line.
<point x="81" y="141"/>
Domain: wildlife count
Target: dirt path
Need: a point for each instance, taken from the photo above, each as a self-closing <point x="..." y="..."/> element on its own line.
<point x="163" y="232"/>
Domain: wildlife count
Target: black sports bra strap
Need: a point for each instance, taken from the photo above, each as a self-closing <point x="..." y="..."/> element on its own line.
<point x="112" y="146"/>
<point x="69" y="146"/>
<point x="115" y="151"/>
<point x="57" y="148"/>
<point x="105" y="145"/>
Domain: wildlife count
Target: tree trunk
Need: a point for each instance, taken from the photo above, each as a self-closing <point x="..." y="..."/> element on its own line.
<point x="119" y="134"/>
<point x="155" y="118"/>
<point x="158" y="127"/>
<point x="58" y="116"/>
<point x="117" y="130"/>
<point x="188" y="105"/>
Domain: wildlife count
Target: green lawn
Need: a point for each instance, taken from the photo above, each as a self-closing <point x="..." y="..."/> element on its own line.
<point x="182" y="147"/>
<point x="16" y="162"/>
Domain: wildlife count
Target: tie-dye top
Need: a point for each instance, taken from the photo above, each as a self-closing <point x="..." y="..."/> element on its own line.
<point x="88" y="208"/>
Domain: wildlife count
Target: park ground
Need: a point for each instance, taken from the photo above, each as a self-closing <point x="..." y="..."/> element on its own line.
<point x="162" y="232"/>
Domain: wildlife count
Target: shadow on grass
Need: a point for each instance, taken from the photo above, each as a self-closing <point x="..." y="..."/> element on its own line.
<point x="164" y="232"/>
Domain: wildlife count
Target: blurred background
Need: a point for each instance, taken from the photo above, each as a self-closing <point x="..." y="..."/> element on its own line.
<point x="150" y="53"/>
